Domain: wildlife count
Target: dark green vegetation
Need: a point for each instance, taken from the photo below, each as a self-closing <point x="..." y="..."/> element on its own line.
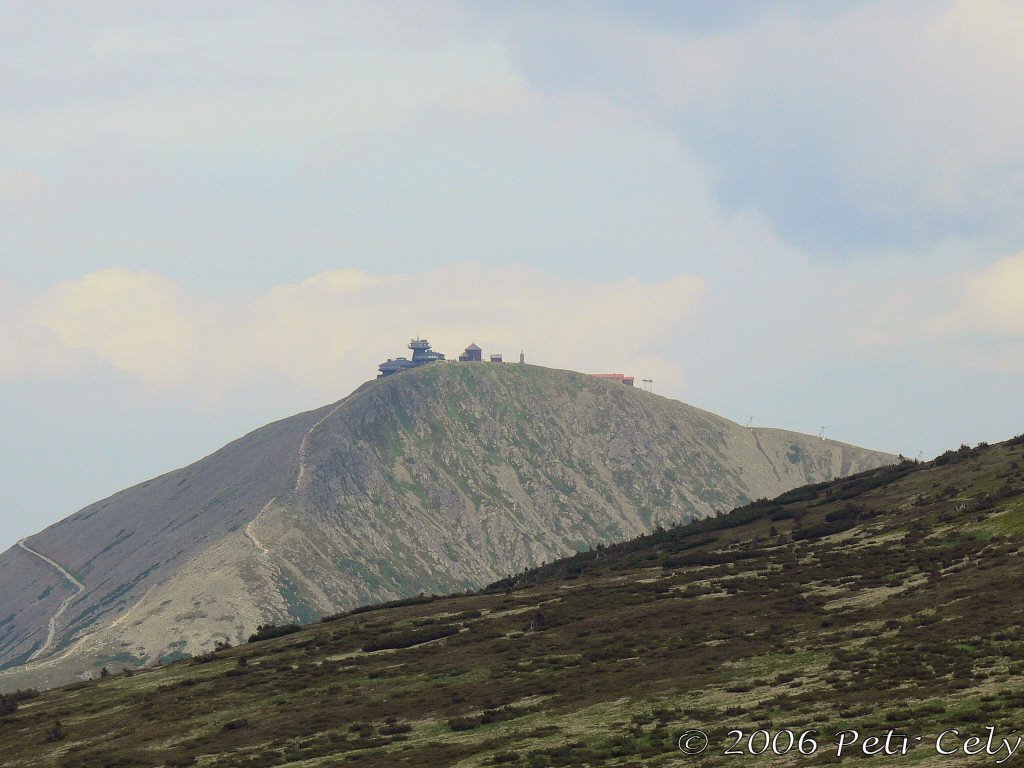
<point x="270" y="631"/>
<point x="884" y="600"/>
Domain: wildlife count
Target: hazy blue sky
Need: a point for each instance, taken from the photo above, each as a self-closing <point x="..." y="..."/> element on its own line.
<point x="213" y="215"/>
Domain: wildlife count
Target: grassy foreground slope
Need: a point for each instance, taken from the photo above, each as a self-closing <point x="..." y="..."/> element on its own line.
<point x="884" y="600"/>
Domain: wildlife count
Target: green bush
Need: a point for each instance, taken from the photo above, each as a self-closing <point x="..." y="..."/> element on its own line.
<point x="420" y="599"/>
<point x="269" y="631"/>
<point x="411" y="637"/>
<point x="463" y="723"/>
<point x="8" y="704"/>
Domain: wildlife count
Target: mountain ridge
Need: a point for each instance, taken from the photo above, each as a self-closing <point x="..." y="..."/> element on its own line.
<point x="438" y="479"/>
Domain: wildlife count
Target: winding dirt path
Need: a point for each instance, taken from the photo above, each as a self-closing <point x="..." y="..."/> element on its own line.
<point x="304" y="445"/>
<point x="252" y="536"/>
<point x="79" y="586"/>
<point x="299" y="479"/>
<point x="249" y="532"/>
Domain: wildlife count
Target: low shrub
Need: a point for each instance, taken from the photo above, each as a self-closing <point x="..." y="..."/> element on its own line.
<point x="270" y="631"/>
<point x="411" y="637"/>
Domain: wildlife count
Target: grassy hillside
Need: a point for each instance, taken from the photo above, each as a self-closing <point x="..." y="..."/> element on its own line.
<point x="884" y="601"/>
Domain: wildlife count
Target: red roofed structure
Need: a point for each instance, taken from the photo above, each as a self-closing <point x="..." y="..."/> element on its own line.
<point x="619" y="377"/>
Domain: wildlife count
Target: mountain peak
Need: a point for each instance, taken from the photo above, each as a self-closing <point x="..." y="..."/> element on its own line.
<point x="439" y="478"/>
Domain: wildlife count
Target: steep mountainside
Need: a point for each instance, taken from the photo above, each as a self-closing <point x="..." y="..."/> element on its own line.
<point x="442" y="478"/>
<point x="882" y="602"/>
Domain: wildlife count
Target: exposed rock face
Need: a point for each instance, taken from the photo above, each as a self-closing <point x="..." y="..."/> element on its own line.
<point x="439" y="479"/>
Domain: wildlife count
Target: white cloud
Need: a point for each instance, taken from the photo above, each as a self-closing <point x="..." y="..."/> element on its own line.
<point x="330" y="331"/>
<point x="904" y="110"/>
<point x="993" y="299"/>
<point x="908" y="110"/>
<point x="274" y="138"/>
<point x="259" y="78"/>
<point x="985" y="306"/>
<point x="974" y="318"/>
<point x="26" y="349"/>
<point x="138" y="322"/>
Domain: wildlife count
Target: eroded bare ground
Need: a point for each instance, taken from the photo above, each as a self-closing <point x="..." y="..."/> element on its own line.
<point x="877" y="602"/>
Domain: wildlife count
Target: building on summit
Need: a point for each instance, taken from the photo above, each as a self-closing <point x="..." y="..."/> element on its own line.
<point x="619" y="377"/>
<point x="473" y="354"/>
<point x="422" y="354"/>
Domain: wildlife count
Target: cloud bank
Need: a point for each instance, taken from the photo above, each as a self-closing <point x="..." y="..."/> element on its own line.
<point x="329" y="332"/>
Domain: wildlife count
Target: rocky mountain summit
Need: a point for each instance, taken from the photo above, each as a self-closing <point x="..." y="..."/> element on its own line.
<point x="435" y="480"/>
